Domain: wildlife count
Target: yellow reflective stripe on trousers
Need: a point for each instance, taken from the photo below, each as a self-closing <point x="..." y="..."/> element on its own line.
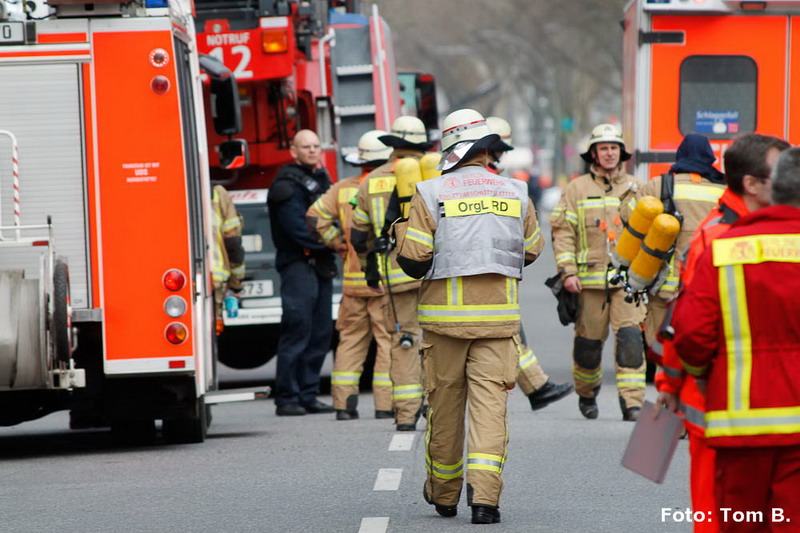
<point x="402" y="392"/>
<point x="381" y="379"/>
<point x="345" y="378"/>
<point x="531" y="241"/>
<point x="594" y="377"/>
<point x="738" y="343"/>
<point x="526" y="357"/>
<point x="764" y="421"/>
<point x="425" y="239"/>
<point x="485" y="461"/>
<point x="697" y="193"/>
<point x="631" y="380"/>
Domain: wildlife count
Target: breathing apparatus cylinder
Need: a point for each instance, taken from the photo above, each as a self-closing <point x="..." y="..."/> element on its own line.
<point x="408" y="173"/>
<point x="630" y="241"/>
<point x="428" y="164"/>
<point x="654" y="251"/>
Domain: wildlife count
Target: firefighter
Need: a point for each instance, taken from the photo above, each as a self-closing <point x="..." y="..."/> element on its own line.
<point x="368" y="235"/>
<point x="751" y="155"/>
<point x="469" y="310"/>
<point x="690" y="190"/>
<point x="585" y="224"/>
<point x="737" y="325"/>
<point x="227" y="257"/>
<point x="532" y="379"/>
<point x="362" y="310"/>
<point x="306" y="268"/>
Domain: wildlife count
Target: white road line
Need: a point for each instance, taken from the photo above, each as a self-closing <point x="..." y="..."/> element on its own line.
<point x="388" y="479"/>
<point x="374" y="524"/>
<point x="402" y="442"/>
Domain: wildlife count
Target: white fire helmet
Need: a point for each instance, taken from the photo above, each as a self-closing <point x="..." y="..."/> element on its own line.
<point x="407" y="132"/>
<point x="501" y="127"/>
<point x="464" y="134"/>
<point x="370" y="150"/>
<point x="605" y="133"/>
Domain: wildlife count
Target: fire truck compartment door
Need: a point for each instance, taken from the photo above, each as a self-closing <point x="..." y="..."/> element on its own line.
<point x="42" y="108"/>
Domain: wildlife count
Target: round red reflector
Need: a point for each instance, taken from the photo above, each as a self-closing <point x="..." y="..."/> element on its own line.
<point x="159" y="84"/>
<point x="174" y="280"/>
<point x="176" y="333"/>
<point x="159" y="57"/>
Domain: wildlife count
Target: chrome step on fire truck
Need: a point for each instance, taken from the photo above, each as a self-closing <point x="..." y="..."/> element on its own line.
<point x="105" y="289"/>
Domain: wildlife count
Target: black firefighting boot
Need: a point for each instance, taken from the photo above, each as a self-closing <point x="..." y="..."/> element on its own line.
<point x="629" y="414"/>
<point x="447" y="511"/>
<point x="588" y="407"/>
<point x="548" y="393"/>
<point x="485" y="514"/>
<point x="351" y="412"/>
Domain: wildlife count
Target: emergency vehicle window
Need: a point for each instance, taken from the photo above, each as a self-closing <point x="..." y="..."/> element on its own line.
<point x="718" y="96"/>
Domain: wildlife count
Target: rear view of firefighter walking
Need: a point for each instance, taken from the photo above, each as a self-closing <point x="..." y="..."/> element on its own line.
<point x="585" y="224"/>
<point x="408" y="139"/>
<point x="362" y="311"/>
<point x="227" y="266"/>
<point x="469" y="311"/>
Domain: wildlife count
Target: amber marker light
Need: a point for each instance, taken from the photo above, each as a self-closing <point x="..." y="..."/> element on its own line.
<point x="274" y="41"/>
<point x="176" y="333"/>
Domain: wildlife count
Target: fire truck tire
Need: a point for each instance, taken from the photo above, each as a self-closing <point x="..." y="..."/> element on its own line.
<point x="62" y="334"/>
<point x="189" y="429"/>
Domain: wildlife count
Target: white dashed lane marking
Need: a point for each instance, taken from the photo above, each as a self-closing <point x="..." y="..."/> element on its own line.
<point x="374" y="524"/>
<point x="388" y="479"/>
<point x="402" y="442"/>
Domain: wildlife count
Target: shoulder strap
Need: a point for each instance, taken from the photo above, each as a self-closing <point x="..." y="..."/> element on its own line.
<point x="668" y="192"/>
<point x="729" y="216"/>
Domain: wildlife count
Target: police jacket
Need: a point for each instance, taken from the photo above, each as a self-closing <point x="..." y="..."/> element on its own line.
<point x="369" y="218"/>
<point x="738" y="323"/>
<point x="587" y="215"/>
<point x="331" y="216"/>
<point x="294" y="190"/>
<point x="671" y="377"/>
<point x="480" y="299"/>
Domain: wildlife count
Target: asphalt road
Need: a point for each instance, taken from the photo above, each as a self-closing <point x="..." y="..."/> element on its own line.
<point x="258" y="472"/>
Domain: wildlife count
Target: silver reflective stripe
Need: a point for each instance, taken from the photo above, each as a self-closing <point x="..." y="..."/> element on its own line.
<point x="788" y="420"/>
<point x="467" y="313"/>
<point x="445" y="471"/>
<point x="693" y="415"/>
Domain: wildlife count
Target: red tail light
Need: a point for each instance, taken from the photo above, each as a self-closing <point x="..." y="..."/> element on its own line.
<point x="174" y="280"/>
<point x="176" y="333"/>
<point x="159" y="84"/>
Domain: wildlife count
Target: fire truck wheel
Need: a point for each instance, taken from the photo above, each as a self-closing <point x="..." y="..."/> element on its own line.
<point x="189" y="429"/>
<point x="62" y="327"/>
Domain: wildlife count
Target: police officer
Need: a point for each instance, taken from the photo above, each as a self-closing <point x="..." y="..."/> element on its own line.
<point x="362" y="311"/>
<point x="408" y="139"/>
<point x="532" y="379"/>
<point x="306" y="268"/>
<point x="469" y="310"/>
<point x="227" y="265"/>
<point x="585" y="223"/>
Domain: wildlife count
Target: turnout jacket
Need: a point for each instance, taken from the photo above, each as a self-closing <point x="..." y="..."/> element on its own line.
<point x="476" y="300"/>
<point x="738" y="322"/>
<point x="331" y="217"/>
<point x="370" y="215"/>
<point x="587" y="216"/>
<point x="227" y="254"/>
<point x="671" y="377"/>
<point x="694" y="196"/>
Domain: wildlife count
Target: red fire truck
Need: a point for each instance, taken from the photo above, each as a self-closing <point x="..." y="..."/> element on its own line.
<point x="300" y="65"/>
<point x="105" y="288"/>
<point x="716" y="67"/>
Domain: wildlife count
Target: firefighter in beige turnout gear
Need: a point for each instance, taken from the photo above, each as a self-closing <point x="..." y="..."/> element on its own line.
<point x="362" y="311"/>
<point x="532" y="379"/>
<point x="227" y="264"/>
<point x="408" y="139"/>
<point x="469" y="311"/>
<point x="585" y="224"/>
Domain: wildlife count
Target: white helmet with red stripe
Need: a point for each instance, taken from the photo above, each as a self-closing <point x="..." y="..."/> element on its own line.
<point x="464" y="134"/>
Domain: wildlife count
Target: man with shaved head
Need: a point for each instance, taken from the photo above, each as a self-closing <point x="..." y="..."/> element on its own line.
<point x="306" y="267"/>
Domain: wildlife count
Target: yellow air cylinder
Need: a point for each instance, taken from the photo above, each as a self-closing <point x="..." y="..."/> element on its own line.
<point x="428" y="164"/>
<point x="630" y="241"/>
<point x="647" y="263"/>
<point x="408" y="173"/>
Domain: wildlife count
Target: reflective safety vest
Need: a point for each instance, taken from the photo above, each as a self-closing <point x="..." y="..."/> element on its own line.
<point x="479" y="223"/>
<point x="739" y="315"/>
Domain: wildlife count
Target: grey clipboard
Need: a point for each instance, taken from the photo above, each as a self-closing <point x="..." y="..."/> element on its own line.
<point x="652" y="443"/>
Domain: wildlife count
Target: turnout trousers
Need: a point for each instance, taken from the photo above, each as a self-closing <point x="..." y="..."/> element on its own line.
<point x="460" y="373"/>
<point x="656" y="311"/>
<point x="531" y="376"/>
<point x="360" y="320"/>
<point x="701" y="478"/>
<point x="591" y="330"/>
<point x="406" y="370"/>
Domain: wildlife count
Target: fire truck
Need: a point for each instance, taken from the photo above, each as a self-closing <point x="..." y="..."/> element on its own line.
<point x="105" y="288"/>
<point x="720" y="68"/>
<point x="317" y="65"/>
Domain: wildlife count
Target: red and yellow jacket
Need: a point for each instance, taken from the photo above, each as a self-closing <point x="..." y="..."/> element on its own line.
<point x="738" y="323"/>
<point x="671" y="377"/>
